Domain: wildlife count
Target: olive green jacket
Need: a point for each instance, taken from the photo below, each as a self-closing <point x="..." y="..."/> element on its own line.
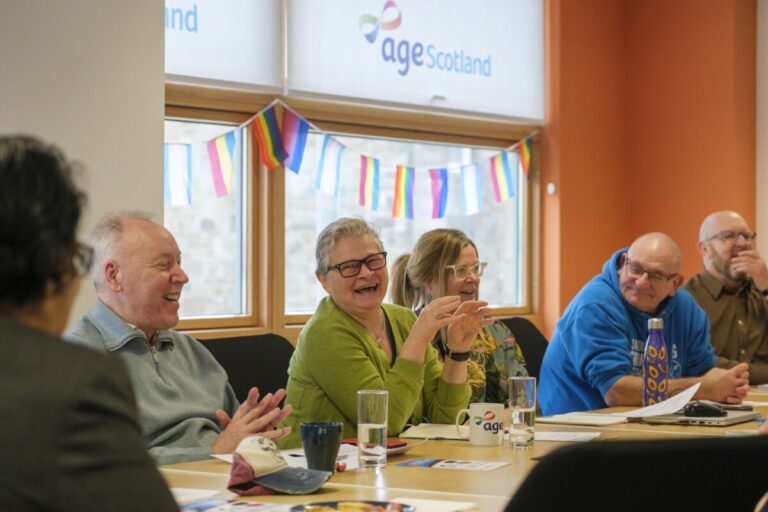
<point x="336" y="356"/>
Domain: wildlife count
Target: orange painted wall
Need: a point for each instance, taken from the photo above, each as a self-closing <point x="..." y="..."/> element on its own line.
<point x="650" y="125"/>
<point x="691" y="102"/>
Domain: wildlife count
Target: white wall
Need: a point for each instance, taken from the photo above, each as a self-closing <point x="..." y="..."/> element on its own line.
<point x="87" y="75"/>
<point x="761" y="189"/>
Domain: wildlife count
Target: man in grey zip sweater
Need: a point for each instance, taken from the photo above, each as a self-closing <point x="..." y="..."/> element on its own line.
<point x="187" y="408"/>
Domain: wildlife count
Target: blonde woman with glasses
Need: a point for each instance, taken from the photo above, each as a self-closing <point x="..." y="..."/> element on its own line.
<point x="445" y="263"/>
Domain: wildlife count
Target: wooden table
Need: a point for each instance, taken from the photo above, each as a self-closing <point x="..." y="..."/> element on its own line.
<point x="490" y="490"/>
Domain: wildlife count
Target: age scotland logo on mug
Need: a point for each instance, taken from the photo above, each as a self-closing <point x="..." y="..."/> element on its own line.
<point x="485" y="426"/>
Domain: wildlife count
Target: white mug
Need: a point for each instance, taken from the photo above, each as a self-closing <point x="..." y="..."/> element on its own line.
<point x="486" y="423"/>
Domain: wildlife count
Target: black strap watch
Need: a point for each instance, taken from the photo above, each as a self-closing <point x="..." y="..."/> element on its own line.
<point x="456" y="356"/>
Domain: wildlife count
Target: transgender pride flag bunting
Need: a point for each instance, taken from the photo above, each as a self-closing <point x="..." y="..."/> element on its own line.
<point x="177" y="174"/>
<point x="329" y="168"/>
<point x="369" y="183"/>
<point x="403" y="204"/>
<point x="439" y="179"/>
<point x="472" y="188"/>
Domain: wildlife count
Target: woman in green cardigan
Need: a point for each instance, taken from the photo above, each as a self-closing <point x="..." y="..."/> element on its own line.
<point x="354" y="342"/>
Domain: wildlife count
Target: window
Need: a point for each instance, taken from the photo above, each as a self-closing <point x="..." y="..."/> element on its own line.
<point x="257" y="273"/>
<point x="498" y="230"/>
<point x="210" y="225"/>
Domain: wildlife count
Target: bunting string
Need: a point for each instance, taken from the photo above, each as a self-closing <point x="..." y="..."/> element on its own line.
<point x="433" y="192"/>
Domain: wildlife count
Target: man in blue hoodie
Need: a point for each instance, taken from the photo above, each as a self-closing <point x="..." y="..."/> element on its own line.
<point x="595" y="357"/>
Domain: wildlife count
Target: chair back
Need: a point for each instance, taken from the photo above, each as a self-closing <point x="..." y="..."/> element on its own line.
<point x="249" y="361"/>
<point x="680" y="474"/>
<point x="531" y="341"/>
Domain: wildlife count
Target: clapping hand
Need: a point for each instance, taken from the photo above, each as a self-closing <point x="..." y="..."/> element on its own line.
<point x="437" y="314"/>
<point x="468" y="320"/>
<point x="254" y="416"/>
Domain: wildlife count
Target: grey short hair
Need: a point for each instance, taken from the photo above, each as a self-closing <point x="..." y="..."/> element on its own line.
<point x="105" y="237"/>
<point x="346" y="226"/>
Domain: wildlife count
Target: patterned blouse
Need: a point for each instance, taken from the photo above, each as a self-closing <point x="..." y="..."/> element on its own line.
<point x="495" y="357"/>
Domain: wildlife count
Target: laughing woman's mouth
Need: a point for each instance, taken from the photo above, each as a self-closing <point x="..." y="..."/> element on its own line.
<point x="174" y="297"/>
<point x="369" y="288"/>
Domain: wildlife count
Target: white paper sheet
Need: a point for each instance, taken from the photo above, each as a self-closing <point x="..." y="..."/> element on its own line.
<point x="185" y="494"/>
<point x="565" y="436"/>
<point x="436" y="431"/>
<point x="583" y="418"/>
<point x="296" y="459"/>
<point x="437" y="505"/>
<point x="668" y="406"/>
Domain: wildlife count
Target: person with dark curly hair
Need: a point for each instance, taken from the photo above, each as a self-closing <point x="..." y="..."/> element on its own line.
<point x="71" y="439"/>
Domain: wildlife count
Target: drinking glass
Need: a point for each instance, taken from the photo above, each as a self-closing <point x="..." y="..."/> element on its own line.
<point x="372" y="428"/>
<point x="522" y="410"/>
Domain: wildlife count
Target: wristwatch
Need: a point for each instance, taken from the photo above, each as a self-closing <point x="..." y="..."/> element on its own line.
<point x="456" y="356"/>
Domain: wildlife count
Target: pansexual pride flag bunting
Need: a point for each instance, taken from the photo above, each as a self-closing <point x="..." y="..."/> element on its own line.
<point x="177" y="174"/>
<point x="267" y="135"/>
<point x="369" y="183"/>
<point x="294" y="135"/>
<point x="402" y="207"/>
<point x="439" y="179"/>
<point x="221" y="153"/>
<point x="501" y="174"/>
<point x="329" y="168"/>
<point x="524" y="151"/>
<point x="472" y="188"/>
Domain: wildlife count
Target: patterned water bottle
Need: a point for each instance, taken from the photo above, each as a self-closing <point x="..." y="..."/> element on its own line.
<point x="655" y="364"/>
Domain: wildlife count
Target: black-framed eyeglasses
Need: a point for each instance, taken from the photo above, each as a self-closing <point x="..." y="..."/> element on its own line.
<point x="83" y="258"/>
<point x="656" y="277"/>
<point x="731" y="236"/>
<point x="463" y="271"/>
<point x="351" y="268"/>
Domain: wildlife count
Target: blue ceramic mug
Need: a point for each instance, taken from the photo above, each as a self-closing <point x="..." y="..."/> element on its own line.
<point x="321" y="442"/>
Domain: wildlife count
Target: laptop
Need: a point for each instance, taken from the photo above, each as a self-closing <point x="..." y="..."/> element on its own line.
<point x="731" y="418"/>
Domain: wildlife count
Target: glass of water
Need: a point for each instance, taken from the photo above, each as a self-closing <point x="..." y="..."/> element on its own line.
<point x="372" y="428"/>
<point x="522" y="410"/>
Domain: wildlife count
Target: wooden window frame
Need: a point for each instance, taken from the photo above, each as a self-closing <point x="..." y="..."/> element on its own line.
<point x="266" y="219"/>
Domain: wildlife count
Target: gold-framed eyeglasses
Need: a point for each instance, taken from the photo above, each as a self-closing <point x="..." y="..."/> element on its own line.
<point x="656" y="277"/>
<point x="463" y="271"/>
<point x="732" y="236"/>
<point x="82" y="260"/>
<point x="351" y="268"/>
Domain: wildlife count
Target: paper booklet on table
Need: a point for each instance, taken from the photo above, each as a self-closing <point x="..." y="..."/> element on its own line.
<point x="668" y="406"/>
<point x="436" y="431"/>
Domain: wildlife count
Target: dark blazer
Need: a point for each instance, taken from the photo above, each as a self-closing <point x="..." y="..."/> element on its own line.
<point x="69" y="434"/>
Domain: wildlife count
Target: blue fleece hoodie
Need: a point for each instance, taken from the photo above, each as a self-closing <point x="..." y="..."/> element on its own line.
<point x="601" y="338"/>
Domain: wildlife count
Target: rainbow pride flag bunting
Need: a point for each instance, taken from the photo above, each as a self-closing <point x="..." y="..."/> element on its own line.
<point x="472" y="189"/>
<point x="177" y="174"/>
<point x="329" y="168"/>
<point x="524" y="151"/>
<point x="402" y="207"/>
<point x="268" y="140"/>
<point x="501" y="174"/>
<point x="439" y="178"/>
<point x="221" y="153"/>
<point x="369" y="183"/>
<point x="294" y="135"/>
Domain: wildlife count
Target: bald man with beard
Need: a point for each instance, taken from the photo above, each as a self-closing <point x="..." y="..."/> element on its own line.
<point x="733" y="291"/>
<point x="595" y="357"/>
